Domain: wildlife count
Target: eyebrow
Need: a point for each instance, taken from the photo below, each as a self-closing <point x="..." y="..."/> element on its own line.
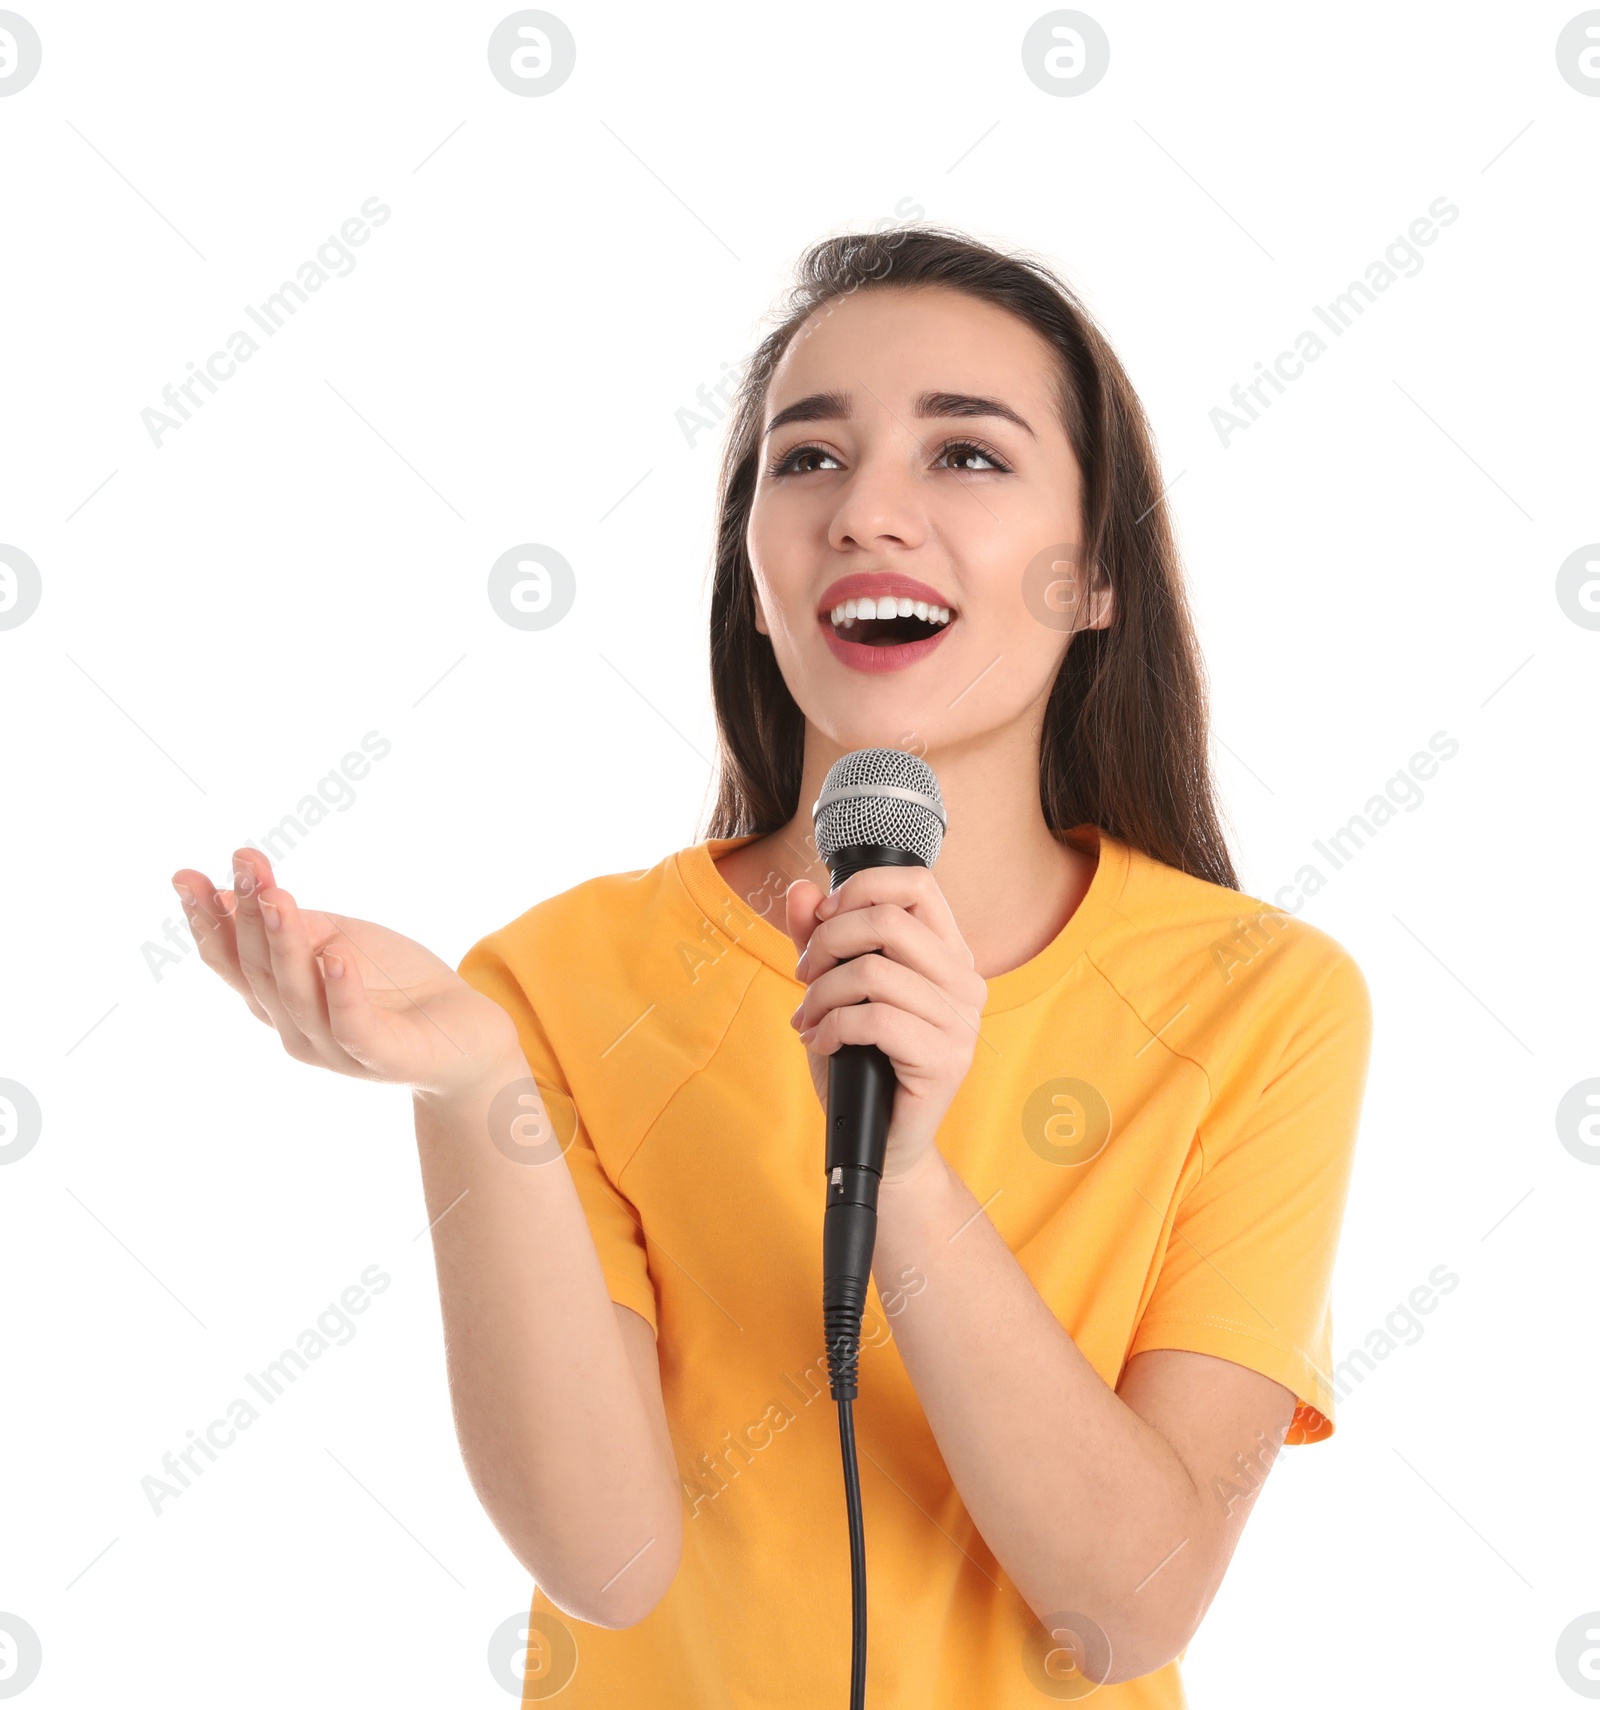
<point x="836" y="406"/>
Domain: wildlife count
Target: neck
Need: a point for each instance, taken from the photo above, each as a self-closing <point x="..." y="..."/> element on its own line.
<point x="1010" y="881"/>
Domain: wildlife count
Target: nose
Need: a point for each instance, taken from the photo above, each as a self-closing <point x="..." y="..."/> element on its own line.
<point x="883" y="500"/>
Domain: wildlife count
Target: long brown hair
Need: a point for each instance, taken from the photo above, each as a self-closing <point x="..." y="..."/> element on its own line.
<point x="1124" y="744"/>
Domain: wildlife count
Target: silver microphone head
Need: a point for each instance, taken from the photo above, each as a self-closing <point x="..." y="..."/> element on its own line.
<point x="880" y="796"/>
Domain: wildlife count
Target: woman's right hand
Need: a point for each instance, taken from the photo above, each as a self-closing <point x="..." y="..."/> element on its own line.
<point x="346" y="993"/>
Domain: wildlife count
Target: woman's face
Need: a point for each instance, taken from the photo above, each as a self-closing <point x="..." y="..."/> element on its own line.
<point x="924" y="462"/>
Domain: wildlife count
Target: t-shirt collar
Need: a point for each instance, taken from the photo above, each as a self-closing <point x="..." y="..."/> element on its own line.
<point x="766" y="939"/>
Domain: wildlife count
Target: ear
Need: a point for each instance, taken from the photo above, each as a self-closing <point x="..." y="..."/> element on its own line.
<point x="1102" y="601"/>
<point x="761" y="622"/>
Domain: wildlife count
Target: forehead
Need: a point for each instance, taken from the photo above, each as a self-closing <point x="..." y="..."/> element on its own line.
<point x="903" y="340"/>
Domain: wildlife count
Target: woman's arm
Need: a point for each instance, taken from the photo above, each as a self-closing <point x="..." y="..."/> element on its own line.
<point x="1095" y="1502"/>
<point x="557" y="1403"/>
<point x="1098" y="1503"/>
<point x="556" y="1390"/>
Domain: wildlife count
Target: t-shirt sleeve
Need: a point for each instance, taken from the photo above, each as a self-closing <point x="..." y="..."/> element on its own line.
<point x="615" y="1225"/>
<point x="1248" y="1268"/>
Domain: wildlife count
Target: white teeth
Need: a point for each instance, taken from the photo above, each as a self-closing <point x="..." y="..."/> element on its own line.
<point x="887" y="606"/>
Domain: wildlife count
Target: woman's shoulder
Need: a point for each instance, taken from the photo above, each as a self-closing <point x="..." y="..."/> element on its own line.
<point x="613" y="979"/>
<point x="612" y="909"/>
<point x="649" y="937"/>
<point x="1183" y="939"/>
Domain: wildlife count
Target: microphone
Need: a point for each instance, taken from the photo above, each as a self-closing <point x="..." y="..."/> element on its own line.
<point x="879" y="807"/>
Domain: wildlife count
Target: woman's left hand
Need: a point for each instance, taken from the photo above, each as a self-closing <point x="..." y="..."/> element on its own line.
<point x="919" y="1002"/>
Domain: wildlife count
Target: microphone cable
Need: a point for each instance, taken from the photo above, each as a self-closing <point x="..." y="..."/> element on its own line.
<point x="879" y="807"/>
<point x="858" y="1558"/>
<point x="850" y="1230"/>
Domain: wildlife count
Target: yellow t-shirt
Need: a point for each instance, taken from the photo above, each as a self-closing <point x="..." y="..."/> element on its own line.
<point x="1160" y="1118"/>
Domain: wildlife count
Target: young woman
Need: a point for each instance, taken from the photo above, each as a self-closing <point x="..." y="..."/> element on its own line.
<point x="1127" y="1102"/>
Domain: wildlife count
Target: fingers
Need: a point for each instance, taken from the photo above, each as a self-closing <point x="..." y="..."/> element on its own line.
<point x="912" y="888"/>
<point x="298" y="971"/>
<point x="887" y="927"/>
<point x="925" y="969"/>
<point x="870" y="979"/>
<point x="916" y="1047"/>
<point x="250" y="943"/>
<point x="349" y="1009"/>
<point x="318" y="971"/>
<point x="251" y="873"/>
<point x="207" y="911"/>
<point x="297" y="979"/>
<point x="800" y="911"/>
<point x="249" y="934"/>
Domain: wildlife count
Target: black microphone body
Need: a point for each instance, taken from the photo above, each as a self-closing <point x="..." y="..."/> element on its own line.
<point x="879" y="807"/>
<point x="861" y="1089"/>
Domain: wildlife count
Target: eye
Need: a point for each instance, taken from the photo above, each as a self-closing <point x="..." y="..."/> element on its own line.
<point x="792" y="463"/>
<point x="975" y="448"/>
<point x="787" y="465"/>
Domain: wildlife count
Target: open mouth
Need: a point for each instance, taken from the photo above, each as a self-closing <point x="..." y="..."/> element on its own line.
<point x="887" y="622"/>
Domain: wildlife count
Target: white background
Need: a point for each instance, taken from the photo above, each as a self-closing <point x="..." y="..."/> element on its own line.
<point x="305" y="561"/>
